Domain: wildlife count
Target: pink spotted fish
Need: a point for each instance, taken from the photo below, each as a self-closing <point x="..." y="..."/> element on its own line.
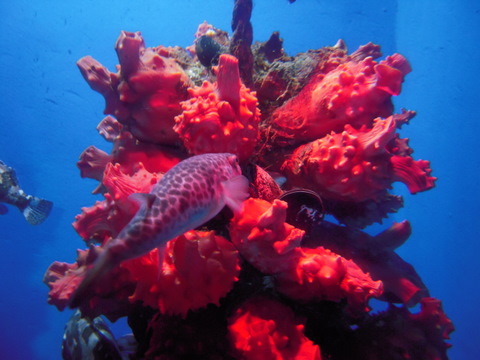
<point x="187" y="196"/>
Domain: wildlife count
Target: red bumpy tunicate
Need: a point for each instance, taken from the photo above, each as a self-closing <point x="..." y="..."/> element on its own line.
<point x="375" y="255"/>
<point x="263" y="237"/>
<point x="109" y="297"/>
<point x="358" y="165"/>
<point x="133" y="167"/>
<point x="270" y="244"/>
<point x="198" y="269"/>
<point x="128" y="152"/>
<point x="107" y="218"/>
<point x="92" y="163"/>
<point x="220" y="117"/>
<point x="320" y="274"/>
<point x="145" y="94"/>
<point x="266" y="329"/>
<point x="355" y="93"/>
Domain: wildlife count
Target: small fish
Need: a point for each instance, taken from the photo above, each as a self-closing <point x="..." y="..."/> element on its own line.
<point x="34" y="209"/>
<point x="187" y="196"/>
<point x="87" y="338"/>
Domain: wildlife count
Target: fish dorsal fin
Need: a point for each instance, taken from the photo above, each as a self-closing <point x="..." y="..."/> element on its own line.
<point x="235" y="192"/>
<point x="142" y="199"/>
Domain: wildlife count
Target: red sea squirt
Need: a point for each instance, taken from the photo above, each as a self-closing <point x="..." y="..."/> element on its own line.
<point x="354" y="93"/>
<point x="105" y="219"/>
<point x="108" y="298"/>
<point x="357" y="165"/>
<point x="198" y="268"/>
<point x="220" y="117"/>
<point x="266" y="329"/>
<point x="145" y="94"/>
<point x="265" y="240"/>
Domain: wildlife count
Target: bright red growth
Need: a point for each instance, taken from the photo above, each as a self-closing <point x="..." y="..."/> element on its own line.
<point x="354" y="93"/>
<point x="129" y="152"/>
<point x="100" y="222"/>
<point x="265" y="329"/>
<point x="220" y="117"/>
<point x="121" y="185"/>
<point x="270" y="244"/>
<point x="92" y="163"/>
<point x="108" y="297"/>
<point x="145" y="94"/>
<point x="198" y="269"/>
<point x="358" y="165"/>
<point x="321" y="274"/>
<point x="263" y="237"/>
<point x="107" y="218"/>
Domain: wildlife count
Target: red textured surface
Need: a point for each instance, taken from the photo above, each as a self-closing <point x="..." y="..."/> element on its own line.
<point x="220" y="117"/>
<point x="266" y="241"/>
<point x="109" y="297"/>
<point x="263" y="237"/>
<point x="357" y="165"/>
<point x="353" y="93"/>
<point x="198" y="268"/>
<point x="323" y="275"/>
<point x="265" y="329"/>
<point x="145" y="94"/>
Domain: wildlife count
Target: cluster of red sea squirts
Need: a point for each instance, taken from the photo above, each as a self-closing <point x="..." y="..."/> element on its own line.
<point x="260" y="284"/>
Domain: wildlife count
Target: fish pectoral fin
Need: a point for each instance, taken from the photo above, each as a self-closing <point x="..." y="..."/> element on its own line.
<point x="235" y="192"/>
<point x="142" y="199"/>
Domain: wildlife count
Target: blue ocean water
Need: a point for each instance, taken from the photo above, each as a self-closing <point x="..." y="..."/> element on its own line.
<point x="50" y="114"/>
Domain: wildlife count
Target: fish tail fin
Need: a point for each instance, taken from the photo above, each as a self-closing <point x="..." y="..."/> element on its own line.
<point x="37" y="210"/>
<point x="236" y="192"/>
<point x="101" y="266"/>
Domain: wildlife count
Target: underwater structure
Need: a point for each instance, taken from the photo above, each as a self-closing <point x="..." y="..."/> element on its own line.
<point x="314" y="134"/>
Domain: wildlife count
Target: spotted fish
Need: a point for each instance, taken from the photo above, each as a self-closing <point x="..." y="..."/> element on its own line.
<point x="87" y="338"/>
<point x="187" y="196"/>
<point x="34" y="209"/>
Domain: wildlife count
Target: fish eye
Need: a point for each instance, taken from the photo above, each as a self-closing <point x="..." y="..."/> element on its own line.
<point x="233" y="160"/>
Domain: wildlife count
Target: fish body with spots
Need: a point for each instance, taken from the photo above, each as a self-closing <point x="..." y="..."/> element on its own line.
<point x="34" y="209"/>
<point x="187" y="196"/>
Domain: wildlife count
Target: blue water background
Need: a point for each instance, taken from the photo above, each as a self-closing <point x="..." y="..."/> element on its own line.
<point x="49" y="115"/>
